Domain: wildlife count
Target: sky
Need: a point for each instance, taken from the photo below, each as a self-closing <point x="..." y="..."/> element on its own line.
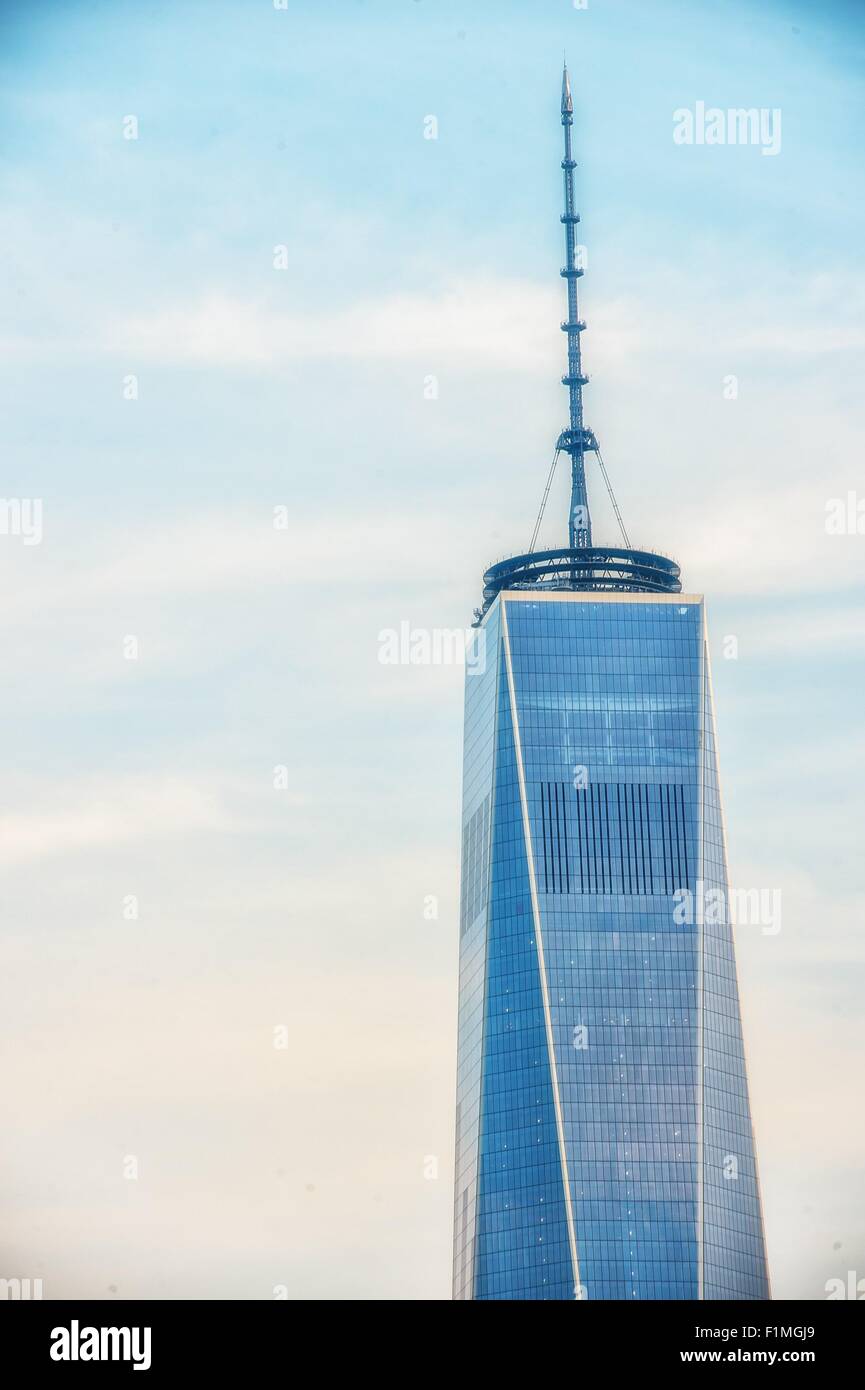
<point x="282" y="373"/>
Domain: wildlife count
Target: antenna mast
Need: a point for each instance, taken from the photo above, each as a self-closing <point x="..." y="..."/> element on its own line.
<point x="577" y="440"/>
<point x="580" y="565"/>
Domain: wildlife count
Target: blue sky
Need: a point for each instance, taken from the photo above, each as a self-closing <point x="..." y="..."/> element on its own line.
<point x="258" y="648"/>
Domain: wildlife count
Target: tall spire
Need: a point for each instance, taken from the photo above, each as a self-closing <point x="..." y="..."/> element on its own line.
<point x="576" y="440"/>
<point x="581" y="565"/>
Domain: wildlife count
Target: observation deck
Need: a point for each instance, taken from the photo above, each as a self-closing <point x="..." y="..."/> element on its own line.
<point x="599" y="569"/>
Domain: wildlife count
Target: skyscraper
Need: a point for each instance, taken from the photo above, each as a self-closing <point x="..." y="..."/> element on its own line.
<point x="604" y="1147"/>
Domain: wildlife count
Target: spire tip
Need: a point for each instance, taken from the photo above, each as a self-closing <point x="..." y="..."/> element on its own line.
<point x="567" y="100"/>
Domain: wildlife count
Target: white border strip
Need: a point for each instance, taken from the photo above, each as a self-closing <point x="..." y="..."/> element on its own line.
<point x="572" y="1238"/>
<point x="590" y="596"/>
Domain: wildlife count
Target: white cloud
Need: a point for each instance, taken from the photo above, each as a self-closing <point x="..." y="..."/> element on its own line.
<point x="509" y="324"/>
<point x="763" y="538"/>
<point x="104" y="811"/>
<point x="472" y="323"/>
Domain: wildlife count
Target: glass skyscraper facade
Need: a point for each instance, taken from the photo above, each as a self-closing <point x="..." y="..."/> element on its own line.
<point x="604" y="1146"/>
